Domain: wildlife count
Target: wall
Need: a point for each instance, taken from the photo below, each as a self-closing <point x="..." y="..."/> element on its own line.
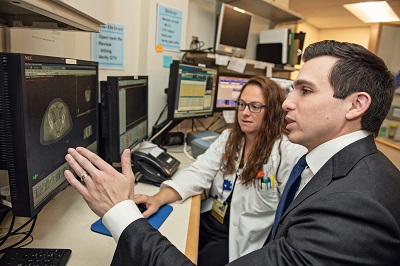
<point x="151" y="62"/>
<point x="353" y="35"/>
<point x="201" y="22"/>
<point x="388" y="46"/>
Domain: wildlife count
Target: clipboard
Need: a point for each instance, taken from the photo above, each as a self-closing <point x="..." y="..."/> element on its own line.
<point x="156" y="220"/>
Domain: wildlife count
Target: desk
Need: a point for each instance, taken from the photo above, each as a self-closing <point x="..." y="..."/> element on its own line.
<point x="391" y="149"/>
<point x="65" y="223"/>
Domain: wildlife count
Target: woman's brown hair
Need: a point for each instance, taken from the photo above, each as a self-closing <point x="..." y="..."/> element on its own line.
<point x="271" y="130"/>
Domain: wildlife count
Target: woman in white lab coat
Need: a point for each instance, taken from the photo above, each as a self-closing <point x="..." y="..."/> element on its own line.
<point x="246" y="170"/>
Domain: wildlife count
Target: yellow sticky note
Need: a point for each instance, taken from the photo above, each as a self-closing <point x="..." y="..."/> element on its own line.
<point x="159" y="48"/>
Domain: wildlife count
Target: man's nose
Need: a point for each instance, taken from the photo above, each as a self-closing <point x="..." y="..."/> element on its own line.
<point x="289" y="103"/>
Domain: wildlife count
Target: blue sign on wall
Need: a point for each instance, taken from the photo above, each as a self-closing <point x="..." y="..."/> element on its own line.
<point x="108" y="46"/>
<point x="169" y="28"/>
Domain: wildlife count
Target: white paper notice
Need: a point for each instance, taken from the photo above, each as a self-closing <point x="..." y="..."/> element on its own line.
<point x="221" y="60"/>
<point x="229" y="116"/>
<point x="237" y="64"/>
<point x="268" y="70"/>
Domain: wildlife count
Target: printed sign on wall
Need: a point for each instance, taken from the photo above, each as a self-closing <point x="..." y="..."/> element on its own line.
<point x="169" y="28"/>
<point x="108" y="46"/>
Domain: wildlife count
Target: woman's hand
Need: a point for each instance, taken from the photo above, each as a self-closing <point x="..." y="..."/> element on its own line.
<point x="151" y="202"/>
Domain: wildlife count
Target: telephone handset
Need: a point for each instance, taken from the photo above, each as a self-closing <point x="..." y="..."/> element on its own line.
<point x="154" y="167"/>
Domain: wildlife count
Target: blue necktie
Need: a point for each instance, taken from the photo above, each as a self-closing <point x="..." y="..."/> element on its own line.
<point x="290" y="190"/>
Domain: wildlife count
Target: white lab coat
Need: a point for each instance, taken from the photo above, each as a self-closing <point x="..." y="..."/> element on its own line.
<point x="252" y="209"/>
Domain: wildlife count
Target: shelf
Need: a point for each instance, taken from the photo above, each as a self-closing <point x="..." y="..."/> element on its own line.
<point x="45" y="14"/>
<point x="266" y="9"/>
<point x="204" y="57"/>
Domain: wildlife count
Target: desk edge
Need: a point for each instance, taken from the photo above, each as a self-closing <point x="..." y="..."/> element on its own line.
<point x="192" y="240"/>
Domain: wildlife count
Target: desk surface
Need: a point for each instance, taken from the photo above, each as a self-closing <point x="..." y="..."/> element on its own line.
<point x="65" y="223"/>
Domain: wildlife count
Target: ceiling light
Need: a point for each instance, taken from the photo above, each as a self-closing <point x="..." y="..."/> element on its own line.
<point x="370" y="12"/>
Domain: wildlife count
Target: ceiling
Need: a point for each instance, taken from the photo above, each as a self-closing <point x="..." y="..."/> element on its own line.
<point x="327" y="14"/>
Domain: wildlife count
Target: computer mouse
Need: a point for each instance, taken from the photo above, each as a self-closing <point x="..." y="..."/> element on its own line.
<point x="142" y="207"/>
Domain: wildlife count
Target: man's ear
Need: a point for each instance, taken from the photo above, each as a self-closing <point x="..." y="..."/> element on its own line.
<point x="360" y="102"/>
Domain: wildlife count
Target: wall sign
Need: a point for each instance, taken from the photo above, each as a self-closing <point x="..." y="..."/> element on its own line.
<point x="169" y="28"/>
<point x="108" y="46"/>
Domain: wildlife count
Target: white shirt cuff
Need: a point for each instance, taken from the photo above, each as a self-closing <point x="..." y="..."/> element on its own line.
<point x="120" y="216"/>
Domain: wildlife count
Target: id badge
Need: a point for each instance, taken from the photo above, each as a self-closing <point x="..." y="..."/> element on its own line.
<point x="218" y="210"/>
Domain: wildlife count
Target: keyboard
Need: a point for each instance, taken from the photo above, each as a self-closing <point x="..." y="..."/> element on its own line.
<point x="36" y="256"/>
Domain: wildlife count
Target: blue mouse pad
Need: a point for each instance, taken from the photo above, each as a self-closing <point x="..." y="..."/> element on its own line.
<point x="156" y="220"/>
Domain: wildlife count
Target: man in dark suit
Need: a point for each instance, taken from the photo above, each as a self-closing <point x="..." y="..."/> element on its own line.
<point x="346" y="210"/>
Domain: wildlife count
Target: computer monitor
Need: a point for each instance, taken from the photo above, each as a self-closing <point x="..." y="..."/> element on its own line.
<point x="228" y="90"/>
<point x="48" y="104"/>
<point x="124" y="115"/>
<point x="191" y="91"/>
<point x="233" y="30"/>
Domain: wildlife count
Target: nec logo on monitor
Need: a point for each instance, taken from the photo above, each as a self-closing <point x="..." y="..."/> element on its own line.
<point x="28" y="57"/>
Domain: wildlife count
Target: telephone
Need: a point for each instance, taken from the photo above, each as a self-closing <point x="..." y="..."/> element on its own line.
<point x="154" y="167"/>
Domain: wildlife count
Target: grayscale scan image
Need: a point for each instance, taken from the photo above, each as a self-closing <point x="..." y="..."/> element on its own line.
<point x="56" y="122"/>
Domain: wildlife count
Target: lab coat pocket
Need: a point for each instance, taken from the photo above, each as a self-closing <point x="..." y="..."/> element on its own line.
<point x="264" y="198"/>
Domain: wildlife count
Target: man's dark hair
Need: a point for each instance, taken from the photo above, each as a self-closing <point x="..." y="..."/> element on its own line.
<point x="358" y="70"/>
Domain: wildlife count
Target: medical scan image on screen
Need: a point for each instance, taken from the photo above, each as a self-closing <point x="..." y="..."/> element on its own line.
<point x="56" y="122"/>
<point x="57" y="119"/>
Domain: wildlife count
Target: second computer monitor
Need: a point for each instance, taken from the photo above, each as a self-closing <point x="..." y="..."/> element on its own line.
<point x="191" y="91"/>
<point x="124" y="115"/>
<point x="228" y="89"/>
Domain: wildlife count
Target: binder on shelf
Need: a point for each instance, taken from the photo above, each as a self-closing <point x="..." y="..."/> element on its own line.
<point x="297" y="47"/>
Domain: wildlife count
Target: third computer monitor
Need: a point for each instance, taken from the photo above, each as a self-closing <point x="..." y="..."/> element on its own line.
<point x="229" y="87"/>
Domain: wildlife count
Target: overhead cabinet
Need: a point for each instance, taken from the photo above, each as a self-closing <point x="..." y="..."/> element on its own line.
<point x="47" y="14"/>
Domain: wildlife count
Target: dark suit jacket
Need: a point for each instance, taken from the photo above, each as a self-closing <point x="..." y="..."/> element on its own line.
<point x="348" y="214"/>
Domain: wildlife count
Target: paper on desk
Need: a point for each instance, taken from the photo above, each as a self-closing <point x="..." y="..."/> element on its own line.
<point x="221" y="60"/>
<point x="237" y="64"/>
<point x="229" y="116"/>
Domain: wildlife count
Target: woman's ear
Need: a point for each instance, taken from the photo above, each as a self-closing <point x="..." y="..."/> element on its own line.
<point x="360" y="102"/>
